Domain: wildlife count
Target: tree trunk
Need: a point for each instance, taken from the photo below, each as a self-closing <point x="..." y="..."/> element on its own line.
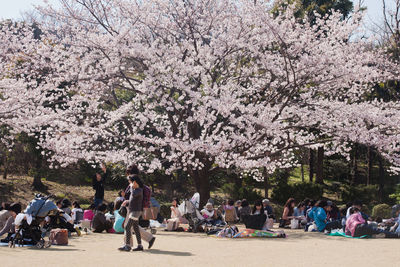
<point x="320" y="165"/>
<point x="369" y="164"/>
<point x="5" y="173"/>
<point x="302" y="171"/>
<point x="266" y="182"/>
<point x="202" y="183"/>
<point x="381" y="179"/>
<point x="311" y="164"/>
<point x="37" y="177"/>
<point x="354" y="178"/>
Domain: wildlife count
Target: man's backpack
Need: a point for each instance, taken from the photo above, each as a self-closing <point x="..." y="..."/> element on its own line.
<point x="146" y="197"/>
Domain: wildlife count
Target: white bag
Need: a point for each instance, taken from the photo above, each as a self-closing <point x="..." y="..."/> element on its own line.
<point x="294" y="224"/>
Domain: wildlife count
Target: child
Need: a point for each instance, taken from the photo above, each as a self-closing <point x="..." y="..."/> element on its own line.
<point x="76" y="210"/>
<point x="121" y="196"/>
<point x="119" y="220"/>
<point x="110" y="214"/>
<point x="100" y="223"/>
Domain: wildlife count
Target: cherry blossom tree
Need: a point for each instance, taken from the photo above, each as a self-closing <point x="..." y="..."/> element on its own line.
<point x="197" y="85"/>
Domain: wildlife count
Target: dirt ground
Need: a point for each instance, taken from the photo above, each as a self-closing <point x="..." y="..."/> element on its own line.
<point x="188" y="249"/>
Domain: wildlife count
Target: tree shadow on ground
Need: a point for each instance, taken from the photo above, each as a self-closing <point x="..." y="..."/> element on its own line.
<point x="171" y="253"/>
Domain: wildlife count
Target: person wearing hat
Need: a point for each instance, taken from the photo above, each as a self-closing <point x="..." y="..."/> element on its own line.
<point x="268" y="209"/>
<point x="319" y="215"/>
<point x="7" y="218"/>
<point x="208" y="213"/>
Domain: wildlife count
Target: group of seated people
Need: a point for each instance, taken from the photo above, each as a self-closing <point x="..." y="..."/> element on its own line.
<point x="228" y="213"/>
<point x="325" y="216"/>
<point x="322" y="216"/>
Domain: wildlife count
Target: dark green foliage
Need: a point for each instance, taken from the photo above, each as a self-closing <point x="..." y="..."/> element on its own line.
<point x="165" y="211"/>
<point x="243" y="192"/>
<point x="299" y="191"/>
<point x="383" y="211"/>
<point x="368" y="194"/>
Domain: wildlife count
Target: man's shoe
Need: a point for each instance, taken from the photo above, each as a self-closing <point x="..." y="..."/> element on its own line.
<point x="139" y="248"/>
<point x="125" y="248"/>
<point x="151" y="242"/>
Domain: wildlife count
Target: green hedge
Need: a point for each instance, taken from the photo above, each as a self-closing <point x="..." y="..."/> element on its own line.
<point x="365" y="193"/>
<point x="382" y="210"/>
<point x="299" y="191"/>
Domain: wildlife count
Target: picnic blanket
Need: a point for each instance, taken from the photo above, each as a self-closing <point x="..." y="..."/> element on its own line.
<point x="2" y="244"/>
<point x="259" y="233"/>
<point x="340" y="233"/>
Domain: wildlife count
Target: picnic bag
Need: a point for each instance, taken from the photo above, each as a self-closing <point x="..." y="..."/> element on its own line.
<point x="59" y="236"/>
<point x="294" y="224"/>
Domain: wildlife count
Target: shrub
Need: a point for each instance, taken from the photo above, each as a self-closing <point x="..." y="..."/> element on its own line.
<point x="382" y="210"/>
<point x="365" y="193"/>
<point x="278" y="210"/>
<point x="248" y="192"/>
<point x="298" y="191"/>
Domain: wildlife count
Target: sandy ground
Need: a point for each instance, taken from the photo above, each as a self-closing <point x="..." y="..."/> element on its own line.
<point x="188" y="249"/>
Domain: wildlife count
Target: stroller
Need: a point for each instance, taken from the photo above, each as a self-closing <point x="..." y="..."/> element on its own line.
<point x="189" y="209"/>
<point x="28" y="228"/>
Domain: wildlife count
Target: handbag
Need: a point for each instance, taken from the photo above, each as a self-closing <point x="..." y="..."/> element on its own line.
<point x="123" y="211"/>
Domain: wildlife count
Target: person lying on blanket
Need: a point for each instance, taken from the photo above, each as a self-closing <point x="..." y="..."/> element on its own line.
<point x="357" y="226"/>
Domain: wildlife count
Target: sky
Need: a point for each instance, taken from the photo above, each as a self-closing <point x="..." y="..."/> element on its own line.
<point x="12" y="9"/>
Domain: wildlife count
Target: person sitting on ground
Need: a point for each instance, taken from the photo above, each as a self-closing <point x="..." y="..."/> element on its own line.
<point x="89" y="214"/>
<point x="119" y="220"/>
<point x="60" y="205"/>
<point x="318" y="214"/>
<point x="208" y="213"/>
<point x="121" y="196"/>
<point x="287" y="214"/>
<point x="76" y="210"/>
<point x="395" y="228"/>
<point x="357" y="204"/>
<point x="258" y="208"/>
<point x="4" y="206"/>
<point x="110" y="214"/>
<point x="65" y="206"/>
<point x="230" y="214"/>
<point x="357" y="226"/>
<point x="244" y="209"/>
<point x="100" y="222"/>
<point x="268" y="209"/>
<point x="334" y="214"/>
<point x="299" y="211"/>
<point x="173" y="222"/>
<point x="238" y="204"/>
<point x="7" y="218"/>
